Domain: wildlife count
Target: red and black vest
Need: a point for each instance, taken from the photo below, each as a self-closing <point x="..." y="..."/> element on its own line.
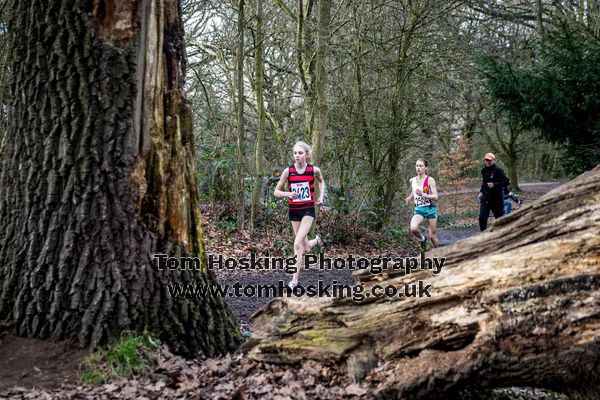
<point x="304" y="186"/>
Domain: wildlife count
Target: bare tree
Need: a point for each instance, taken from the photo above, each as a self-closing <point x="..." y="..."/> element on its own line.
<point x="240" y="136"/>
<point x="258" y="85"/>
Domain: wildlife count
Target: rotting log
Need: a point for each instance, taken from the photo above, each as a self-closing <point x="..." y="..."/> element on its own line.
<point x="518" y="305"/>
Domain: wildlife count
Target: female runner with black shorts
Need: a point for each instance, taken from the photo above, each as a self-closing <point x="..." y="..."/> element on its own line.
<point x="301" y="181"/>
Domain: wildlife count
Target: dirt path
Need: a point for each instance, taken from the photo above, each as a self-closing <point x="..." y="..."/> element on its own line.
<point x="453" y="235"/>
<point x="37" y="363"/>
<point x="243" y="307"/>
<point x="531" y="186"/>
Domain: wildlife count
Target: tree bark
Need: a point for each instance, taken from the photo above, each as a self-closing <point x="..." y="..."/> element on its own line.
<point x="511" y="151"/>
<point x="240" y="133"/>
<point x="516" y="305"/>
<point x="323" y="30"/>
<point x="593" y="16"/>
<point x="259" y="147"/>
<point x="98" y="175"/>
<point x="540" y="16"/>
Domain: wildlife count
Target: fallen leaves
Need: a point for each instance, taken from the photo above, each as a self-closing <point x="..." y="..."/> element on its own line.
<point x="228" y="377"/>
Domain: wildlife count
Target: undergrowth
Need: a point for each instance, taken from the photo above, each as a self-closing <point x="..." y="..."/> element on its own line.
<point x="128" y="356"/>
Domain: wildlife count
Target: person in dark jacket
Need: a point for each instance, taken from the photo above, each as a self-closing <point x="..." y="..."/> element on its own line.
<point x="491" y="195"/>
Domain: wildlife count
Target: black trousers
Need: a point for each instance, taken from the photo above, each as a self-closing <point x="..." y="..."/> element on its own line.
<point x="484" y="212"/>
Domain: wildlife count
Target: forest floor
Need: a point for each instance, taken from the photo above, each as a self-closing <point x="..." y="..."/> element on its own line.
<point x="31" y="368"/>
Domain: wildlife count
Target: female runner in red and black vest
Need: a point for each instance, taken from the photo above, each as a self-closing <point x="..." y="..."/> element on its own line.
<point x="301" y="181"/>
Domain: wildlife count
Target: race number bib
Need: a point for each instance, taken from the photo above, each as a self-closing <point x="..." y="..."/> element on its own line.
<point x="302" y="190"/>
<point x="421" y="201"/>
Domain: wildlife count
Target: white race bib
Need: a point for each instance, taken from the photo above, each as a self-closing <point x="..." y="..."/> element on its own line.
<point x="421" y="201"/>
<point x="302" y="189"/>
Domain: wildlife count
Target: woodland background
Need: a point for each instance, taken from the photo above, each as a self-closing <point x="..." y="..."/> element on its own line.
<point x="373" y="85"/>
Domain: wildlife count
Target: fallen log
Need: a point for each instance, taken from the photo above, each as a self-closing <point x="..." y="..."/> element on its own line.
<point x="518" y="305"/>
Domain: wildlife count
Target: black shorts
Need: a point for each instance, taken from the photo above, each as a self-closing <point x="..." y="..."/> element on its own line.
<point x="297" y="215"/>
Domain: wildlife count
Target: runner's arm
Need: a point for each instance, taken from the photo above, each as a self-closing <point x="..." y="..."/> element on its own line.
<point x="280" y="193"/>
<point x="319" y="176"/>
<point x="410" y="196"/>
<point x="433" y="187"/>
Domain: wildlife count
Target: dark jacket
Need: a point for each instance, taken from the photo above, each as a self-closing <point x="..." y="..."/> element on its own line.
<point x="496" y="175"/>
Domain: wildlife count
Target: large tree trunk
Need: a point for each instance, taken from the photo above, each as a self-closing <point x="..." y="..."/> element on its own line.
<point x="516" y="305"/>
<point x="98" y="175"/>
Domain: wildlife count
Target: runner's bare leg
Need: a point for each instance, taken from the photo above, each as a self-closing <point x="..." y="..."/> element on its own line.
<point x="414" y="226"/>
<point x="432" y="231"/>
<point x="301" y="243"/>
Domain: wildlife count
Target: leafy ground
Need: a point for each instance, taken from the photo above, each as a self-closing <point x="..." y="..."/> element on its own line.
<point x="41" y="369"/>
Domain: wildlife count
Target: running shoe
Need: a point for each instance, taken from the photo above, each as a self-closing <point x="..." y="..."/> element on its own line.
<point x="320" y="242"/>
<point x="423" y="244"/>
